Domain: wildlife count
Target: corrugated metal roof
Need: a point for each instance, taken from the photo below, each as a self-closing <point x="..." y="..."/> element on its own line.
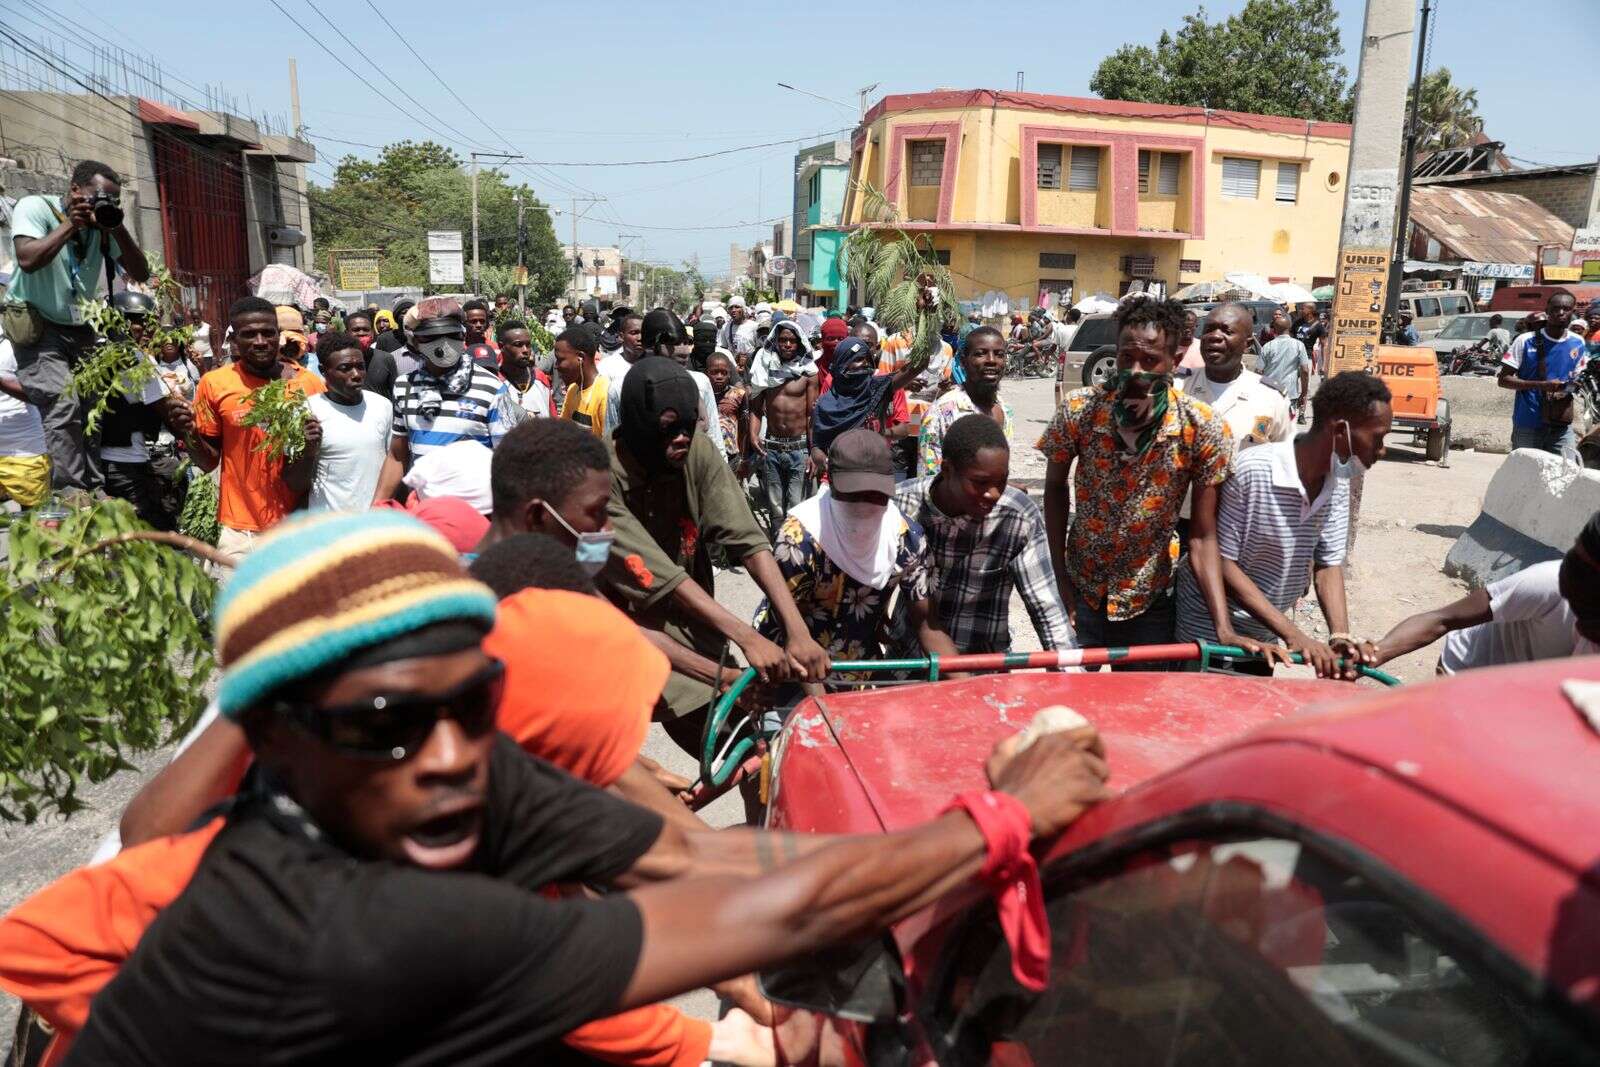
<point x="1489" y="227"/>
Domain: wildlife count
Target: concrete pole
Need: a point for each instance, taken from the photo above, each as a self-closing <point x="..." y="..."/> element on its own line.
<point x="1366" y="236"/>
<point x="475" y="225"/>
<point x="522" y="277"/>
<point x="1407" y="161"/>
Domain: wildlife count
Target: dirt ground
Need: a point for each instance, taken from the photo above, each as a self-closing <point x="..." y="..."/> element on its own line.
<point x="1412" y="511"/>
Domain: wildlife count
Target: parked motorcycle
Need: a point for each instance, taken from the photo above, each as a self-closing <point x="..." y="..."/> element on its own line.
<point x="1474" y="360"/>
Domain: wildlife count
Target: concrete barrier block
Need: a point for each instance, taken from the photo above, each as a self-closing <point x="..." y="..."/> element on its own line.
<point x="1532" y="511"/>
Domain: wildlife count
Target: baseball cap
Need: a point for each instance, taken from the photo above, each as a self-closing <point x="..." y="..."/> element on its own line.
<point x="859" y="462"/>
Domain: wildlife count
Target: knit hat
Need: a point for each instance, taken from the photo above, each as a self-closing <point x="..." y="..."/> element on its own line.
<point x="327" y="584"/>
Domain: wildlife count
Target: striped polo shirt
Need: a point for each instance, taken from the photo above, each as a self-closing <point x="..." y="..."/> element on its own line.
<point x="1269" y="528"/>
<point x="429" y="418"/>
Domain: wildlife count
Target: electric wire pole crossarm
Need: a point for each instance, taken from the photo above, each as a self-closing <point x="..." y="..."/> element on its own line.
<point x="577" y="257"/>
<point x="504" y="157"/>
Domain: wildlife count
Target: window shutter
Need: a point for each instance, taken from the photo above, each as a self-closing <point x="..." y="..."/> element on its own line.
<point x="1049" y="166"/>
<point x="1167" y="177"/>
<point x="1288" y="183"/>
<point x="1241" y="178"/>
<point x="1144" y="170"/>
<point x="1085" y="176"/>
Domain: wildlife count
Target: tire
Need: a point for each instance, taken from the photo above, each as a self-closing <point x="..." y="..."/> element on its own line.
<point x="1100" y="365"/>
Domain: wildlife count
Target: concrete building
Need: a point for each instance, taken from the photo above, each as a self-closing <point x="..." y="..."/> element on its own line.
<point x="598" y="273"/>
<point x="821" y="173"/>
<point x="1033" y="195"/>
<point x="214" y="194"/>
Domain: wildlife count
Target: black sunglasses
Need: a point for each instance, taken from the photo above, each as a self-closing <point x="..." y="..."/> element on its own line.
<point x="396" y="727"/>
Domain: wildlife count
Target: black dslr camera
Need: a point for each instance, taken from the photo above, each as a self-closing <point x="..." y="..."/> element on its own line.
<point x="107" y="210"/>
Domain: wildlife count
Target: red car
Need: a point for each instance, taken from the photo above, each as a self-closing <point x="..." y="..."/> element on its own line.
<point x="1407" y="877"/>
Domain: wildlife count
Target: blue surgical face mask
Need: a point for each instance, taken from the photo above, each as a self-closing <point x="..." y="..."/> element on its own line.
<point x="1345" y="469"/>
<point x="593" y="549"/>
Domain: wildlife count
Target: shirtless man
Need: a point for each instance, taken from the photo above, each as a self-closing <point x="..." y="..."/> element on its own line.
<point x="783" y="386"/>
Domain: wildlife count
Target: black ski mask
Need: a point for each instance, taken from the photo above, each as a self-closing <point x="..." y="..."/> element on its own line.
<point x="654" y="387"/>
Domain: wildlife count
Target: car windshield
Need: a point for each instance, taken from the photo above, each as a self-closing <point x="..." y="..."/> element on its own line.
<point x="1465" y="328"/>
<point x="1230" y="951"/>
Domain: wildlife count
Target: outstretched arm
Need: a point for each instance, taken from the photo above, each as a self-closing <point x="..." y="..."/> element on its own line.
<point x="1426" y="627"/>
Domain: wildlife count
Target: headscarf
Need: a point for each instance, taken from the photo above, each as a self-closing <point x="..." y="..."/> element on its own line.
<point x="599" y="736"/>
<point x="705" y="343"/>
<point x="767" y="368"/>
<point x="860" y="539"/>
<point x="654" y="385"/>
<point x="834" y="330"/>
<point x="857" y="393"/>
<point x="659" y="327"/>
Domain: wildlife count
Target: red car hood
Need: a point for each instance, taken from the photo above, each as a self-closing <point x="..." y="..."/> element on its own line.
<point x="912" y="748"/>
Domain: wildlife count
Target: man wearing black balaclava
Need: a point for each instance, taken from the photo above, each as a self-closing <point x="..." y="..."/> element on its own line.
<point x="447" y="399"/>
<point x="672" y="497"/>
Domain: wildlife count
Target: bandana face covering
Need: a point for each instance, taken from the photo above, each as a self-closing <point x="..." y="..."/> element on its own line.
<point x="1142" y="413"/>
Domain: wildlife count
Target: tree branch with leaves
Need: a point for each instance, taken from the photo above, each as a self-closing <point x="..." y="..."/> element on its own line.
<point x="899" y="274"/>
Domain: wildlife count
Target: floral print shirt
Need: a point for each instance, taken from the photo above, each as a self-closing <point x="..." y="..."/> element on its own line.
<point x="845" y="616"/>
<point x="1122" y="544"/>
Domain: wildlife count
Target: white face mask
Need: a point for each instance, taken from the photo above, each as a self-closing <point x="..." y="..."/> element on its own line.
<point x="858" y="522"/>
<point x="1345" y="469"/>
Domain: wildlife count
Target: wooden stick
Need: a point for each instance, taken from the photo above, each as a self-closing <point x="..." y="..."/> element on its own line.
<point x="163" y="537"/>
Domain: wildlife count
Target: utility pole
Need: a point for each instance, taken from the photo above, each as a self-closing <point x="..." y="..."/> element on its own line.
<point x="504" y="157"/>
<point x="294" y="97"/>
<point x="1366" y="236"/>
<point x="1408" y="159"/>
<point x="522" y="270"/>
<point x="577" y="260"/>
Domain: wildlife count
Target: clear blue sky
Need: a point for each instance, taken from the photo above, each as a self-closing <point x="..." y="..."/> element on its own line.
<point x="627" y="81"/>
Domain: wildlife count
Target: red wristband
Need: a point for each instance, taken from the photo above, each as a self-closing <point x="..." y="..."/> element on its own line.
<point x="1012" y="875"/>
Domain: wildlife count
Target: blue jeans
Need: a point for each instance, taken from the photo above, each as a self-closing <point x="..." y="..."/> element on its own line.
<point x="783" y="478"/>
<point x="1556" y="439"/>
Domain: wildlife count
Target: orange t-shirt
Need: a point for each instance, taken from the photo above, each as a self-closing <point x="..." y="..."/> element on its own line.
<point x="252" y="494"/>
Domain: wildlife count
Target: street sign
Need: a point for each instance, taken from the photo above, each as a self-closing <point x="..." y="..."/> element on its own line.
<point x="778" y="266"/>
<point x="446" y="268"/>
<point x="1358" y="308"/>
<point x="1514" y="271"/>
<point x="358" y="269"/>
<point x="1586" y="240"/>
<point x="444" y="240"/>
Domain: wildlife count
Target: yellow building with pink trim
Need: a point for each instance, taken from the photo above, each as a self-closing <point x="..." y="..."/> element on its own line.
<point x="1026" y="193"/>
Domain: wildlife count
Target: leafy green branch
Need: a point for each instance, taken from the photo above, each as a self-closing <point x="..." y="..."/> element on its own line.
<point x="104" y="652"/>
<point x="280" y="412"/>
<point x="900" y="275"/>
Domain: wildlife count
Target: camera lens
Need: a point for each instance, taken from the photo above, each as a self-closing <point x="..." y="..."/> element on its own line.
<point x="107" y="212"/>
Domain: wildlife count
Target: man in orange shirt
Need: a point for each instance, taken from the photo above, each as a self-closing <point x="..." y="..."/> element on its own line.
<point x="254" y="494"/>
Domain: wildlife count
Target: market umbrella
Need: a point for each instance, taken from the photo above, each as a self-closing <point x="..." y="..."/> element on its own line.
<point x="1205" y="291"/>
<point x="1095" y="305"/>
<point x="283" y="284"/>
<point x="1290" y="293"/>
<point x="1322" y="292"/>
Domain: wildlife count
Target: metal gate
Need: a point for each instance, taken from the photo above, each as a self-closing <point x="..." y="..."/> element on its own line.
<point x="203" y="222"/>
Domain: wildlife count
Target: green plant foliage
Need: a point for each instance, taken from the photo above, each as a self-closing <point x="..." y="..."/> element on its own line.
<point x="904" y="282"/>
<point x="117" y="364"/>
<point x="280" y="412"/>
<point x="1275" y="57"/>
<point x="103" y="653"/>
<point x="199" y="516"/>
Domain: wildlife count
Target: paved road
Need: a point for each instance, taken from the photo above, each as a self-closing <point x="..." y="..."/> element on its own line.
<point x="1412" y="511"/>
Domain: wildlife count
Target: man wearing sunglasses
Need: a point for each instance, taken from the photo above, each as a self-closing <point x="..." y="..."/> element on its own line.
<point x="351" y="655"/>
<point x="673" y="497"/>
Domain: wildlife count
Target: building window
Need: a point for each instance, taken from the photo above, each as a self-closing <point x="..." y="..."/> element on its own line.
<point x="814" y="188"/>
<point x="1085" y="174"/>
<point x="1049" y="166"/>
<point x="1288" y="183"/>
<point x="927" y="162"/>
<point x="1241" y="178"/>
<point x="1144" y="169"/>
<point x="1058" y="260"/>
<point x="942" y="255"/>
<point x="1167" y="177"/>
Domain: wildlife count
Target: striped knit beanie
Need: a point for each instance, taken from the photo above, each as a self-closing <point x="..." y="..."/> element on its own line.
<point x="327" y="584"/>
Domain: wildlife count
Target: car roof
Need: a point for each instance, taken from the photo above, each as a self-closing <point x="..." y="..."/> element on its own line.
<point x="1504" y="744"/>
<point x="913" y="747"/>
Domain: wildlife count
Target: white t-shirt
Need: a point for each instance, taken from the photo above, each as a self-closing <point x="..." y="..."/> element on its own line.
<point x="613" y="369"/>
<point x="1530" y="621"/>
<point x="21" y="429"/>
<point x="355" y="440"/>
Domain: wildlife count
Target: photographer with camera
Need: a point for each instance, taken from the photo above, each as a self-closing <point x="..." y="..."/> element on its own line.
<point x="64" y="245"/>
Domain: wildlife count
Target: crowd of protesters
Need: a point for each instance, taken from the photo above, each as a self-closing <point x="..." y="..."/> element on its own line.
<point x="434" y="850"/>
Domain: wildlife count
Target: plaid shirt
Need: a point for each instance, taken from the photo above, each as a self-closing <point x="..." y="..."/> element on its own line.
<point x="976" y="562"/>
